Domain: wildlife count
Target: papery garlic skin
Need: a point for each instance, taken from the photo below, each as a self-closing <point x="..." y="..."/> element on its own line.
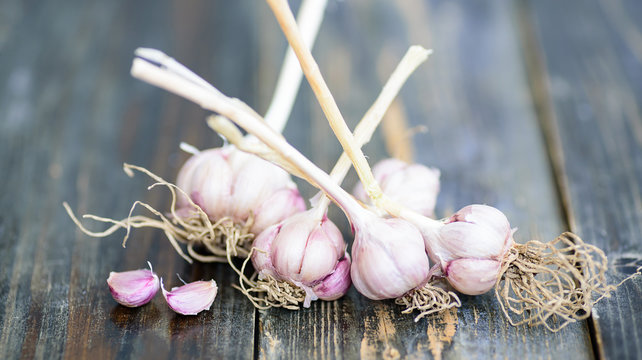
<point x="415" y="186"/>
<point x="388" y="258"/>
<point x="207" y="179"/>
<point x="273" y="209"/>
<point x="337" y="283"/>
<point x="472" y="276"/>
<point x="261" y="255"/>
<point x="307" y="252"/>
<point x="226" y="182"/>
<point x="133" y="288"/>
<point x="470" y="247"/>
<point x="255" y="181"/>
<point x="192" y="298"/>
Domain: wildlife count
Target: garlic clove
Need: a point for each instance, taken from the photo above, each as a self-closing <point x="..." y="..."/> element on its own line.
<point x="261" y="257"/>
<point x="387" y="168"/>
<point x="133" y="288"/>
<point x="288" y="247"/>
<point x="381" y="171"/>
<point x="472" y="276"/>
<point x="466" y="240"/>
<point x="485" y="215"/>
<point x="475" y="231"/>
<point x="320" y="257"/>
<point x="207" y="178"/>
<point x="336" y="284"/>
<point x="334" y="235"/>
<point x="255" y="180"/>
<point x="278" y="207"/>
<point x="417" y="187"/>
<point x="192" y="298"/>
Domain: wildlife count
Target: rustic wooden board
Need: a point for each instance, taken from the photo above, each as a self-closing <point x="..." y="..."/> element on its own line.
<point x="71" y="115"/>
<point x="473" y="96"/>
<point x="592" y="70"/>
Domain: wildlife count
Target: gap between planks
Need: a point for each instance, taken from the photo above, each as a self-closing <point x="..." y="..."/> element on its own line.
<point x="540" y="94"/>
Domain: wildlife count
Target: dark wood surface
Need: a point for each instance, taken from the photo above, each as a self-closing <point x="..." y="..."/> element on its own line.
<point x="592" y="68"/>
<point x="531" y="106"/>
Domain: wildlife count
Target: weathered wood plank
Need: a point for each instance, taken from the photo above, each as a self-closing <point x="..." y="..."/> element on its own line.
<point x="70" y="115"/>
<point x="591" y="70"/>
<point x="473" y="95"/>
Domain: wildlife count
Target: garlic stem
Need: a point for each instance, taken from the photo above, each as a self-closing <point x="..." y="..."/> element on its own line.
<point x="234" y="109"/>
<point x="309" y="19"/>
<point x="188" y="148"/>
<point x="414" y="57"/>
<point x="310" y="68"/>
<point x="226" y="128"/>
<point x="164" y="61"/>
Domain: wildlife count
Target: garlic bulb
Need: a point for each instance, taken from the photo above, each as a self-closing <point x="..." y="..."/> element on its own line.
<point x="406" y="262"/>
<point x="133" y="288"/>
<point x="226" y="182"/>
<point x="415" y="186"/>
<point x="306" y="252"/>
<point x="388" y="258"/>
<point x="470" y="247"/>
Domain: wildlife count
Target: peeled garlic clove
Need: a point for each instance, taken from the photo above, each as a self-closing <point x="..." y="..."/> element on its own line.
<point x="133" y="288"/>
<point x="192" y="298"/>
<point x="388" y="258"/>
<point x="413" y="185"/>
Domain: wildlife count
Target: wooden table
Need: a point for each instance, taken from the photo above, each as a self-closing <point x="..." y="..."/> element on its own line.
<point x="533" y="107"/>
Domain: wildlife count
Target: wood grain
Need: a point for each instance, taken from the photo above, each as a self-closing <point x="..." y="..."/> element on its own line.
<point x="483" y="135"/>
<point x="70" y="115"/>
<point x="592" y="70"/>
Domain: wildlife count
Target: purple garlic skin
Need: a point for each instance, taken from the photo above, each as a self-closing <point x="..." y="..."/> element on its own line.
<point x="133" y="288"/>
<point x="192" y="298"/>
<point x="226" y="182"/>
<point x="388" y="258"/>
<point x="415" y="186"/>
<point x="470" y="247"/>
<point x="306" y="252"/>
<point x="337" y="283"/>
